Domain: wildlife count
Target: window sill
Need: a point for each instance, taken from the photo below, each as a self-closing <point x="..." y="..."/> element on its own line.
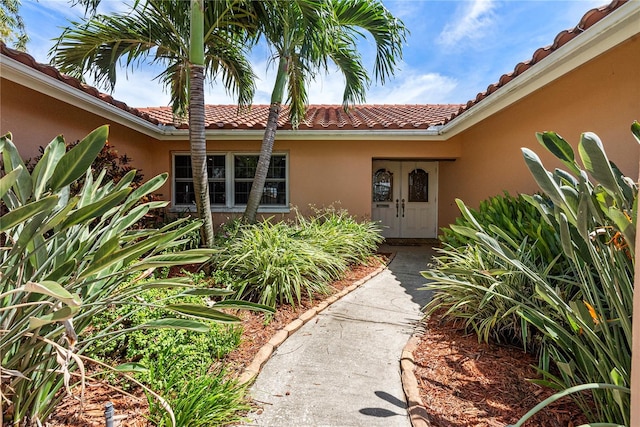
<point x="224" y="209"/>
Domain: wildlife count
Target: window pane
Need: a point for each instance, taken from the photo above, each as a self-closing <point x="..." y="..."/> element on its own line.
<point x="418" y="186"/>
<point x="242" y="189"/>
<point x="216" y="167"/>
<point x="183" y="167"/>
<point x="277" y="167"/>
<point x="382" y="186"/>
<point x="274" y="193"/>
<point x="184" y="182"/>
<point x="245" y="166"/>
<point x="184" y="193"/>
<point x="217" y="194"/>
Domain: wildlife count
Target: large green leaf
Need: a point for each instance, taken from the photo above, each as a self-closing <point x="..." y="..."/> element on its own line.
<point x="148" y="187"/>
<point x="76" y="161"/>
<point x="43" y="171"/>
<point x="543" y="178"/>
<point x="597" y="164"/>
<point x="7" y="181"/>
<point x="12" y="161"/>
<point x="559" y="148"/>
<point x="202" y="312"/>
<point x="55" y="290"/>
<point x="64" y="313"/>
<point x="635" y="130"/>
<point x="192" y="256"/>
<point x="25" y="212"/>
<point x="96" y="209"/>
<point x="172" y="323"/>
<point x="244" y="305"/>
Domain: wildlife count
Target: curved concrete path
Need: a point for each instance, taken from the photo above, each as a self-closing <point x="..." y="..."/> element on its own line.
<point x="342" y="369"/>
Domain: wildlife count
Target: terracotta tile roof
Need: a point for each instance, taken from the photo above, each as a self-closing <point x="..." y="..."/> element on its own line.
<point x="588" y="20"/>
<point x="319" y="117"/>
<point x="329" y="116"/>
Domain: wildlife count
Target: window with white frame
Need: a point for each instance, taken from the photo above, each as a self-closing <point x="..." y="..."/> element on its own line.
<point x="230" y="179"/>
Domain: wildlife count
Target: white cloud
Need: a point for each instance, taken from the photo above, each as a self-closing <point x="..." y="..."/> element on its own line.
<point x="413" y="87"/>
<point x="472" y="20"/>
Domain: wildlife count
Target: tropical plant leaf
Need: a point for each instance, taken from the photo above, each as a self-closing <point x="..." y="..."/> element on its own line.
<point x="24" y="213"/>
<point x="7" y="181"/>
<point x="76" y="161"/>
<point x="559" y="148"/>
<point x="635" y="130"/>
<point x="43" y="170"/>
<point x="12" y="161"/>
<point x="64" y="313"/>
<point x="132" y="367"/>
<point x="597" y="164"/>
<point x="244" y="305"/>
<point x="202" y="312"/>
<point x="96" y="209"/>
<point x="55" y="290"/>
<point x="173" y="323"/>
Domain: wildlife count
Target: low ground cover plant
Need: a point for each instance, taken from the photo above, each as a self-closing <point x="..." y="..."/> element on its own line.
<point x="583" y="315"/>
<point x="278" y="262"/>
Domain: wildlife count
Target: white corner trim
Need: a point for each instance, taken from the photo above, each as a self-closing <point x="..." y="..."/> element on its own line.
<point x="617" y="27"/>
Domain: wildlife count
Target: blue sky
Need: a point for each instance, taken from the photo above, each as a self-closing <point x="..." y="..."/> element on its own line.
<point x="454" y="51"/>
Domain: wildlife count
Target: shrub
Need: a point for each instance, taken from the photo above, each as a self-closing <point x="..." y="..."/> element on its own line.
<point x="64" y="258"/>
<point x="276" y="263"/>
<point x="200" y="398"/>
<point x="587" y="330"/>
<point x="193" y="350"/>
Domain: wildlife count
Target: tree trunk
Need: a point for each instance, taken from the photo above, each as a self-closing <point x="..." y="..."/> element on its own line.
<point x="197" y="139"/>
<point x="257" y="187"/>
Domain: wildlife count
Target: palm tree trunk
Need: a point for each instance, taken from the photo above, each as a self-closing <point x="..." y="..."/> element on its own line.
<point x="257" y="187"/>
<point x="197" y="139"/>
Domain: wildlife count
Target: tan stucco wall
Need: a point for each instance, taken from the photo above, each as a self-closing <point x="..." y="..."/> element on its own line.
<point x="603" y="96"/>
<point x="35" y="119"/>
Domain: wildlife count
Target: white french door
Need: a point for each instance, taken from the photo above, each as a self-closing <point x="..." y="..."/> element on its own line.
<point x="405" y="198"/>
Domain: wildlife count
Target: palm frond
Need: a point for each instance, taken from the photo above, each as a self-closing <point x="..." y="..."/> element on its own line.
<point x="388" y="32"/>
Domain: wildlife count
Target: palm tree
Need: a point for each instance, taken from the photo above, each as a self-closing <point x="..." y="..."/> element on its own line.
<point x="159" y="32"/>
<point x="12" y="29"/>
<point x="304" y="37"/>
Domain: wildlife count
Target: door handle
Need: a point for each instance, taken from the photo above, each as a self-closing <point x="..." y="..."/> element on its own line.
<point x="402" y="208"/>
<point x="397" y="208"/>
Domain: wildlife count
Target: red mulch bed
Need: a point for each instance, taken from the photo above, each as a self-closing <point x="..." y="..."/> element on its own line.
<point x="466" y="383"/>
<point x="462" y="382"/>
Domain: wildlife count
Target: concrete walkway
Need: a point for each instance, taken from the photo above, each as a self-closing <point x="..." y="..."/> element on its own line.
<point x="342" y="369"/>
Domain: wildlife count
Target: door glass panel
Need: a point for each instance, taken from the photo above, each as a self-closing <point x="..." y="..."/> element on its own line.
<point x="382" y="186"/>
<point x="418" y="186"/>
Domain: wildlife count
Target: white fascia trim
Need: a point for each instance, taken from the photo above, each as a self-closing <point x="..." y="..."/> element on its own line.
<point x="615" y="28"/>
<point x="33" y="79"/>
<point x="329" y="135"/>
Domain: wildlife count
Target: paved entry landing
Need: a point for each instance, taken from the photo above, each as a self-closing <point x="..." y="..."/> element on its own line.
<point x="342" y="368"/>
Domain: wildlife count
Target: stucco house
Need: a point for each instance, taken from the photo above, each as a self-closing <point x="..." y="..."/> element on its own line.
<point x="401" y="164"/>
